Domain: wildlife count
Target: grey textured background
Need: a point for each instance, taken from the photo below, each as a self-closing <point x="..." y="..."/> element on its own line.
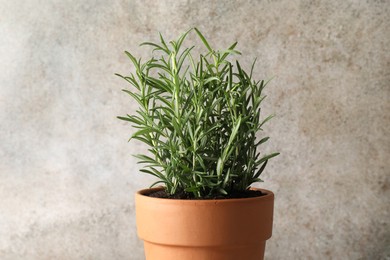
<point x="66" y="175"/>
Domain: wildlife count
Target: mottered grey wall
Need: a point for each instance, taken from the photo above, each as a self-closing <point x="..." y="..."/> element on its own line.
<point x="67" y="177"/>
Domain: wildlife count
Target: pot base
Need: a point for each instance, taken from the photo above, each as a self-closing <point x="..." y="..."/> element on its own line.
<point x="166" y="252"/>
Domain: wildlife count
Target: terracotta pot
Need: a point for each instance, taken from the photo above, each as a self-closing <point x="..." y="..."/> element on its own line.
<point x="204" y="229"/>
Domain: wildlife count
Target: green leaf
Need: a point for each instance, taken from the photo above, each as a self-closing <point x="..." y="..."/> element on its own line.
<point x="263" y="140"/>
<point x="134" y="96"/>
<point x="265" y="121"/>
<point x="163" y="41"/>
<point x="134" y="119"/>
<point x="229" y="51"/>
<point x="261" y="169"/>
<point x="146" y="159"/>
<point x="203" y="40"/>
<point x="235" y="130"/>
<point x="183" y="56"/>
<point x="134" y="60"/>
<point x="220" y="166"/>
<point x="222" y="191"/>
<point x="227" y="178"/>
<point x="159" y="66"/>
<point x="155" y="173"/>
<point x="158" y="84"/>
<point x="208" y="80"/>
<point x="147" y="131"/>
<point x="181" y="39"/>
<point x="157" y="182"/>
<point x="253" y="66"/>
<point x="267" y="157"/>
<point x="157" y="47"/>
<point x="131" y="80"/>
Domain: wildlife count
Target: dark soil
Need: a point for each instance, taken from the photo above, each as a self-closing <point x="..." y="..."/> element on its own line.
<point x="188" y="196"/>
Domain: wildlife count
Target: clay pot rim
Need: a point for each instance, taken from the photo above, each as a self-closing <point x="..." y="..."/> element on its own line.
<point x="268" y="195"/>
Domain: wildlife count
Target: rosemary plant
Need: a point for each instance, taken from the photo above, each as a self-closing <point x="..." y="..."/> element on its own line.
<point x="199" y="118"/>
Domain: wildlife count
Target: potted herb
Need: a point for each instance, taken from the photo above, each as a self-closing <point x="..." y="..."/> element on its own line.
<point x="199" y="116"/>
